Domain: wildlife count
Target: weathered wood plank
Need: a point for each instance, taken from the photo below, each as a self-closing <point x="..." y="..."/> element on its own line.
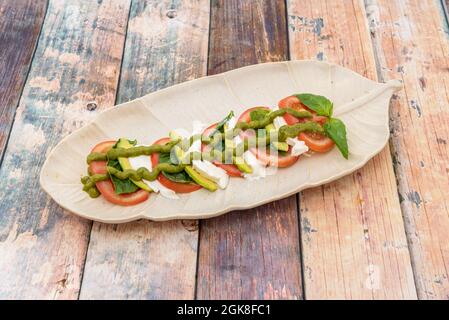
<point x="166" y="43"/>
<point x="20" y="22"/>
<point x="252" y="254"/>
<point x="411" y="42"/>
<point x="352" y="232"/>
<point x="77" y="60"/>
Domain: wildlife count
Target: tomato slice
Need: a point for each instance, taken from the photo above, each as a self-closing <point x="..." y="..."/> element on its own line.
<point x="106" y="187"/>
<point x="277" y="160"/>
<point x="315" y="141"/>
<point x="175" y="186"/>
<point x="293" y="103"/>
<point x="230" y="169"/>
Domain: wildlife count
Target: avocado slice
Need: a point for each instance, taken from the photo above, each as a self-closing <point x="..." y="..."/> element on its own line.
<point x="198" y="178"/>
<point x="195" y="175"/>
<point x="124" y="162"/>
<point x="280" y="146"/>
<point x="270" y="127"/>
<point x="242" y="165"/>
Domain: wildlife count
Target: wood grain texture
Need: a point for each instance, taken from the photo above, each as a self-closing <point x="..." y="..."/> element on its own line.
<point x="166" y="44"/>
<point x="251" y="254"/>
<point x="77" y="60"/>
<point x="414" y="47"/>
<point x="20" y="22"/>
<point x="352" y="232"/>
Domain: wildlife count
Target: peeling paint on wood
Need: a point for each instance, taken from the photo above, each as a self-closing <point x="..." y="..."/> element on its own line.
<point x="353" y="217"/>
<point x="43" y="247"/>
<point x="166" y="44"/>
<point x="421" y="116"/>
<point x="252" y="254"/>
<point x="20" y="22"/>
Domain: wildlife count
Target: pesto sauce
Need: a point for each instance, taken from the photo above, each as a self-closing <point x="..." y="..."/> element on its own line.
<point x="286" y="131"/>
<point x="262" y="123"/>
<point x="131" y="152"/>
<point x="137" y="175"/>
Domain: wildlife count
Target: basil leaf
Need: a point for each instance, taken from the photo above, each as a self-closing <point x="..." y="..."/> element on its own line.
<point x="258" y="114"/>
<point x="336" y="130"/>
<point x="220" y="125"/>
<point x="321" y="105"/>
<point x="121" y="186"/>
<point x="180" y="177"/>
<point x="131" y="142"/>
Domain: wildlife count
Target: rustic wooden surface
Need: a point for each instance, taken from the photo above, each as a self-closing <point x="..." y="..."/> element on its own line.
<point x="414" y="47"/>
<point x="356" y="221"/>
<point x="23" y="20"/>
<point x="77" y="60"/>
<point x="257" y="249"/>
<point x="379" y="233"/>
<point x="166" y="44"/>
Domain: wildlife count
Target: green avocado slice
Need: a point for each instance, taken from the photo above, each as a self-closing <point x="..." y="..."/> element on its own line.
<point x="195" y="175"/>
<point x="124" y="162"/>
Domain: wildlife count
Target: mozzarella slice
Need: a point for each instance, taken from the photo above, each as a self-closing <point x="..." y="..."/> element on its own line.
<point x="259" y="169"/>
<point x="298" y="146"/>
<point x="231" y="123"/>
<point x="279" y="122"/>
<point x="212" y="172"/>
<point x="195" y="146"/>
<point x="145" y="162"/>
<point x="198" y="127"/>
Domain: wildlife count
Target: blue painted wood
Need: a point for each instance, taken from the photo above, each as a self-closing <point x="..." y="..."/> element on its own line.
<point x="77" y="60"/>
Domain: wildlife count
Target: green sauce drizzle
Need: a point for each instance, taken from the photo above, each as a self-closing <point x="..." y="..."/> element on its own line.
<point x="143" y="173"/>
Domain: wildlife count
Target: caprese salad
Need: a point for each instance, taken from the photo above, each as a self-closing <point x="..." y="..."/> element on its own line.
<point x="251" y="146"/>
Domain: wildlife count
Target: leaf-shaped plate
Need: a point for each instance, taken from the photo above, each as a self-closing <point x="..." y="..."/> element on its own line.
<point x="361" y="103"/>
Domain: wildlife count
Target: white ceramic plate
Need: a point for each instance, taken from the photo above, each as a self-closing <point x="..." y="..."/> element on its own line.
<point x="361" y="103"/>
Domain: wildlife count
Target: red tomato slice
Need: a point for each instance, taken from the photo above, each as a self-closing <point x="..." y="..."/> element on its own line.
<point x="230" y="169"/>
<point x="175" y="186"/>
<point x="315" y="141"/>
<point x="293" y="103"/>
<point x="275" y="160"/>
<point x="278" y="160"/>
<point x="106" y="188"/>
<point x="246" y="117"/>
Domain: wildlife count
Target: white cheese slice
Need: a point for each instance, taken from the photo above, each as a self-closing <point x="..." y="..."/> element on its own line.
<point x="237" y="140"/>
<point x="279" y="122"/>
<point x="195" y="146"/>
<point x="198" y="127"/>
<point x="259" y="169"/>
<point x="298" y="146"/>
<point x="145" y="162"/>
<point x="208" y="170"/>
<point x="231" y="123"/>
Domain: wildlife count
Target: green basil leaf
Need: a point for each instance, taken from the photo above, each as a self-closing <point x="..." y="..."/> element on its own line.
<point x="121" y="186"/>
<point x="131" y="142"/>
<point x="180" y="177"/>
<point x="321" y="105"/>
<point x="220" y="125"/>
<point x="258" y="114"/>
<point x="336" y="130"/>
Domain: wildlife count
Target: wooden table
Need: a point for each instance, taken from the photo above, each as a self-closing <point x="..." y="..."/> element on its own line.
<point x="380" y="233"/>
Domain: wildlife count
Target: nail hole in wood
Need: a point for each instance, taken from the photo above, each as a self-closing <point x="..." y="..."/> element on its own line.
<point x="91" y="106"/>
<point x="171" y="14"/>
